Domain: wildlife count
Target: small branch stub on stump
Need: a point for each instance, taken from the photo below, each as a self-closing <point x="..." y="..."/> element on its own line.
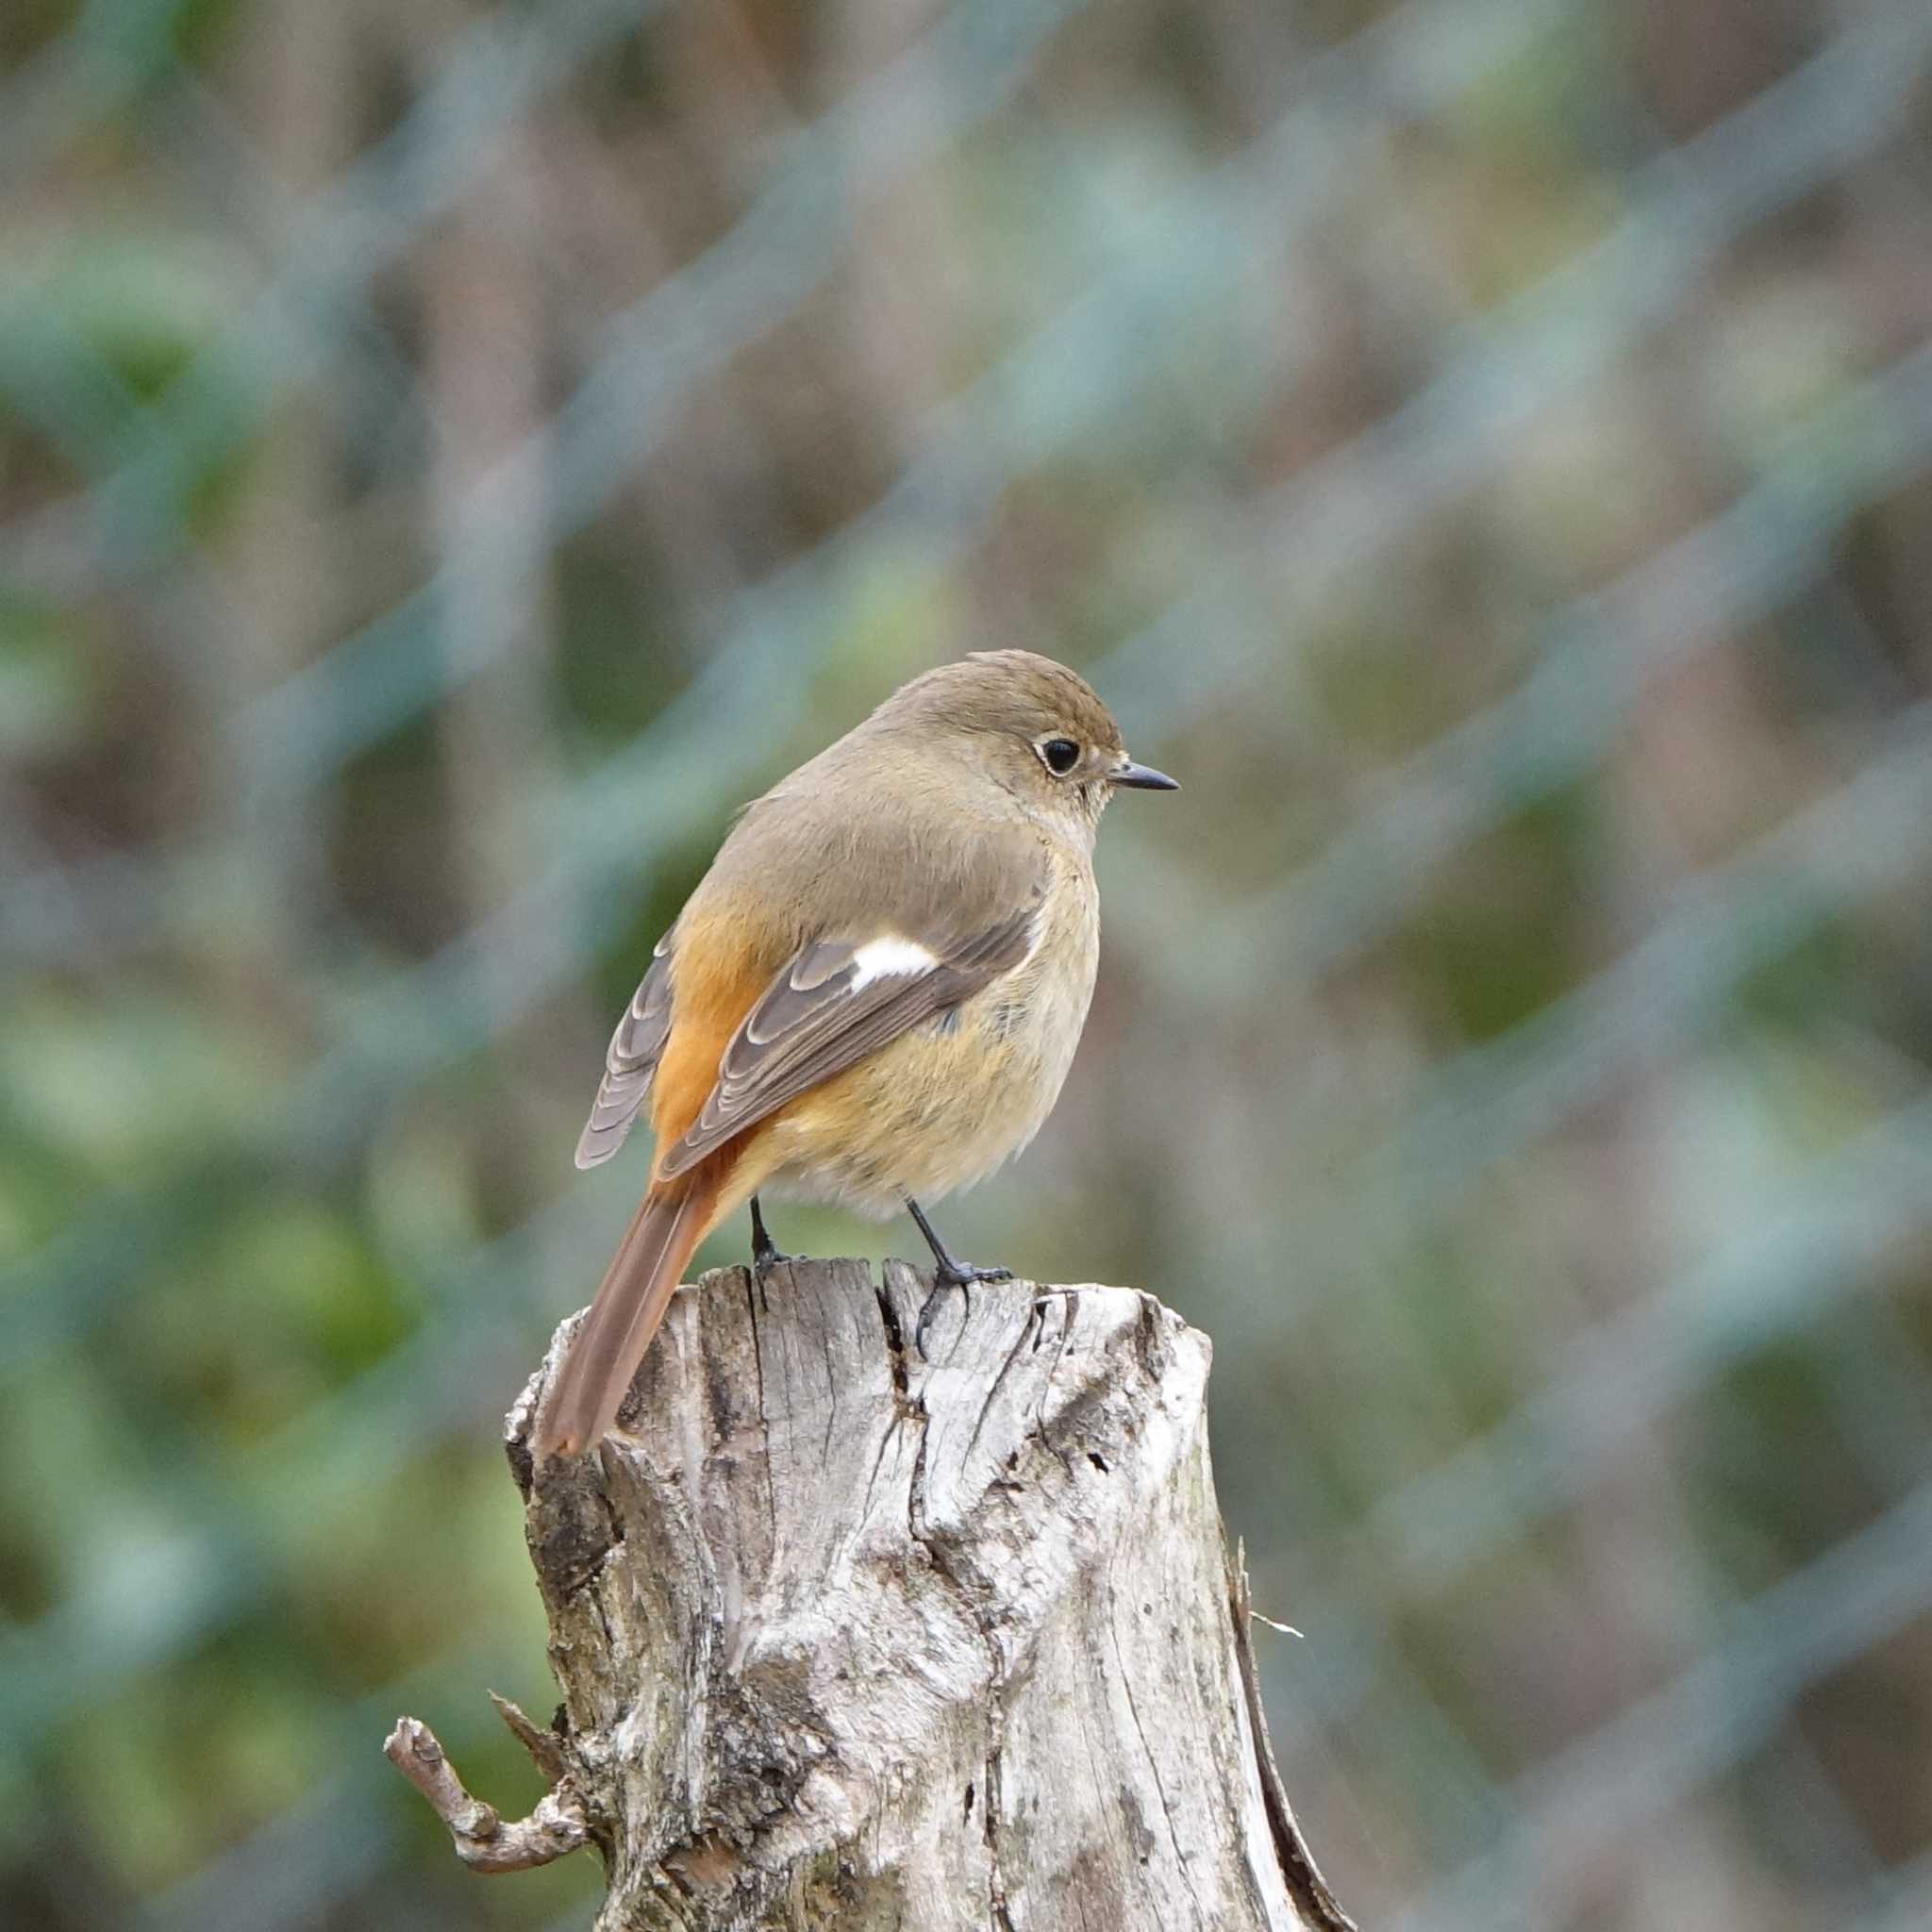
<point x="849" y="1638"/>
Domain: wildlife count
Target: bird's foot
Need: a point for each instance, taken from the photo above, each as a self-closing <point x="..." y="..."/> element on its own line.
<point x="950" y="1274"/>
<point x="948" y="1271"/>
<point x="959" y="1275"/>
<point x="765" y="1253"/>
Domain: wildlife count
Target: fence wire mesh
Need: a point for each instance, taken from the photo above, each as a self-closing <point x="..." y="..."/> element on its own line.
<point x="450" y="455"/>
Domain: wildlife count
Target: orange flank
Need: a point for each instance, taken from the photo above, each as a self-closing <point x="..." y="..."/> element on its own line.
<point x="707" y="1008"/>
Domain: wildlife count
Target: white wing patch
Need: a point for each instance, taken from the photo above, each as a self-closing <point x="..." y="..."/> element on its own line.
<point x="889" y="958"/>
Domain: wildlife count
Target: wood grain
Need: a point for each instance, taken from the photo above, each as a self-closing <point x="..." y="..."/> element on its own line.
<point x="851" y="1638"/>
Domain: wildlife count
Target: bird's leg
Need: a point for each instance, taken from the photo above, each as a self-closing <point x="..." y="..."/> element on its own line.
<point x="765" y="1251"/>
<point x="947" y="1271"/>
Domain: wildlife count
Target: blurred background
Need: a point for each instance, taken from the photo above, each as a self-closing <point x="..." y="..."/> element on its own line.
<point x="451" y="454"/>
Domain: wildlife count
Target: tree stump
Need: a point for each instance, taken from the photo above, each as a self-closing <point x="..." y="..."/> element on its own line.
<point x="854" y="1637"/>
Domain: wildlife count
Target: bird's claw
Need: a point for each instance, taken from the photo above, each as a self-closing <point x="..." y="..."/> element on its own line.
<point x="767" y="1256"/>
<point x="963" y="1275"/>
<point x="959" y="1275"/>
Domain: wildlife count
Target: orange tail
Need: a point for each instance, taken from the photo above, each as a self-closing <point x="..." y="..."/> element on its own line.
<point x="631" y="1300"/>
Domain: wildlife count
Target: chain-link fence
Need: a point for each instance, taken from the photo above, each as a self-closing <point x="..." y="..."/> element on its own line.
<point x="449" y="458"/>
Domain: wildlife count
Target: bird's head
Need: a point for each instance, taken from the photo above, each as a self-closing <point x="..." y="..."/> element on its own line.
<point x="1032" y="725"/>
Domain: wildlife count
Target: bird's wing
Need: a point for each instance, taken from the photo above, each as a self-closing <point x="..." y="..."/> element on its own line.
<point x="629" y="1061"/>
<point x="836" y="1001"/>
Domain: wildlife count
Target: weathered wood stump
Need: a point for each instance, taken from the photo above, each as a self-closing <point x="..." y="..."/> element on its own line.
<point x="850" y="1636"/>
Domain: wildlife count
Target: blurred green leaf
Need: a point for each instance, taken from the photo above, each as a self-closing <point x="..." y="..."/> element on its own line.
<point x="131" y="1077"/>
<point x="48" y="685"/>
<point x="140" y="299"/>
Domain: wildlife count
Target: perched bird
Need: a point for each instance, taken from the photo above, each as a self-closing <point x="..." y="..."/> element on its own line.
<point x="872" y="996"/>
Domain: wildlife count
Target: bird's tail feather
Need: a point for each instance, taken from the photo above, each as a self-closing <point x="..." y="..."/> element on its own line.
<point x="631" y="1299"/>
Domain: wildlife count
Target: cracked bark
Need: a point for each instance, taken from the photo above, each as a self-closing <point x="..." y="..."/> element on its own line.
<point x="849" y="1638"/>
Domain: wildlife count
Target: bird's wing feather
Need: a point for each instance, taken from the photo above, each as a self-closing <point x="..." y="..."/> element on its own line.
<point x="836" y="1002"/>
<point x="629" y="1062"/>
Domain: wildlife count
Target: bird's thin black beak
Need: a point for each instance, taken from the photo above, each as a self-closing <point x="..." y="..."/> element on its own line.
<point x="1144" y="779"/>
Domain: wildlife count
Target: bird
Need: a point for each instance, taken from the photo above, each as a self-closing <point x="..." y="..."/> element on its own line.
<point x="872" y="998"/>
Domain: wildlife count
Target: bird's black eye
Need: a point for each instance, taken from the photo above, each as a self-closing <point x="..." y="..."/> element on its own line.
<point x="1060" y="755"/>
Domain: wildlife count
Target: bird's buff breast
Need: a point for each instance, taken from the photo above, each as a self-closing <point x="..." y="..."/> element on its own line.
<point x="943" y="1105"/>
